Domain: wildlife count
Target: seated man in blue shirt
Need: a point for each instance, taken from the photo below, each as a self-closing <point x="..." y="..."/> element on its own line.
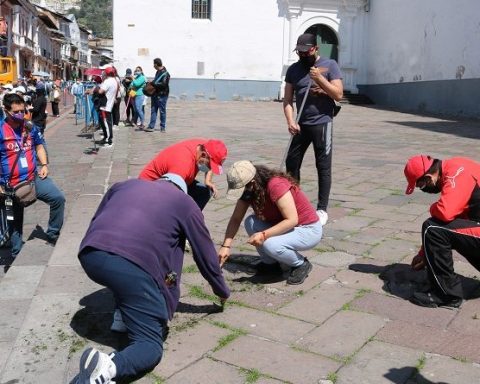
<point x="135" y="246"/>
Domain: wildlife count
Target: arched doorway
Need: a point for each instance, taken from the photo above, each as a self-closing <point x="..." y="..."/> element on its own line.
<point x="326" y="40"/>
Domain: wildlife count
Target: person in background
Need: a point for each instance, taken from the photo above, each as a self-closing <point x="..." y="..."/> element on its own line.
<point x="39" y="106"/>
<point x="284" y="222"/>
<point x="107" y="91"/>
<point x="77" y="91"/>
<point x="159" y="99"/>
<point x="129" y="102"/>
<point x="116" y="104"/>
<point x="55" y="100"/>
<point x="136" y="86"/>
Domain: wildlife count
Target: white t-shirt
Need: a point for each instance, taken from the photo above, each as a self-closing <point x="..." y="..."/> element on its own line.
<point x="109" y="85"/>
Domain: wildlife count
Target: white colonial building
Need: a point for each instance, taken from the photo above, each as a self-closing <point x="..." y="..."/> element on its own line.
<point x="421" y="55"/>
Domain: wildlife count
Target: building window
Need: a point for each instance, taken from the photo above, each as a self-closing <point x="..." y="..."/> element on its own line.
<point x="201" y="9"/>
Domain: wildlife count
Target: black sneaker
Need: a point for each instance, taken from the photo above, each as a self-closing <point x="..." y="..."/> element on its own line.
<point x="300" y="273"/>
<point x="268" y="269"/>
<point x="432" y="300"/>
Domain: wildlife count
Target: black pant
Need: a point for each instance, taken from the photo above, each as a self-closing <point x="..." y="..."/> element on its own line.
<point x="438" y="240"/>
<point x="55" y="111"/>
<point x="116" y="112"/>
<point x="321" y="137"/>
<point x="106" y="124"/>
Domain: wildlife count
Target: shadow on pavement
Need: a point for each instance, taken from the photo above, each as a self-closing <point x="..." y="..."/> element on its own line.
<point x="408" y="375"/>
<point x="456" y="128"/>
<point x="241" y="263"/>
<point x="401" y="280"/>
<point x="191" y="308"/>
<point x="93" y="321"/>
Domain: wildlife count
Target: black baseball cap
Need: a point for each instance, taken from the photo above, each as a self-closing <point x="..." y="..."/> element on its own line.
<point x="305" y="42"/>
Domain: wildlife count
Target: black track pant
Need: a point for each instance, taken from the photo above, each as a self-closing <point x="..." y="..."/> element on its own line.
<point x="321" y="137"/>
<point x="439" y="239"/>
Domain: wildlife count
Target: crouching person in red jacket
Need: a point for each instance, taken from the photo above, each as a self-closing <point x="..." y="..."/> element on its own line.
<point x="454" y="224"/>
<point x="135" y="246"/>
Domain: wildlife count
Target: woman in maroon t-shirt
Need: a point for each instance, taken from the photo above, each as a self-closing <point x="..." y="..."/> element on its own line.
<point x="283" y="224"/>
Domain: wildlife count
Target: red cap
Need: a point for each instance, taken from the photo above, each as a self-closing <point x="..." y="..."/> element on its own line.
<point x="416" y="167"/>
<point x="110" y="71"/>
<point x="217" y="151"/>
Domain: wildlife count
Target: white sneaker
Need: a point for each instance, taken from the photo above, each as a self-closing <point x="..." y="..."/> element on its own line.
<point x="115" y="128"/>
<point x="118" y="325"/>
<point x="106" y="145"/>
<point x="96" y="367"/>
<point x="323" y="216"/>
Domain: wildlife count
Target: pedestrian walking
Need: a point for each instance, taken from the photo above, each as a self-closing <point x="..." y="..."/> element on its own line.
<point x="322" y="77"/>
<point x="55" y="100"/>
<point x="108" y="89"/>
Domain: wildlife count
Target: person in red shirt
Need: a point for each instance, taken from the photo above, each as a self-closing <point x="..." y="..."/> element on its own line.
<point x="284" y="222"/>
<point x="186" y="158"/>
<point x="454" y="224"/>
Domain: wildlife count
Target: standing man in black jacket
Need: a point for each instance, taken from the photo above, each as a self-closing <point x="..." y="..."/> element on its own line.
<point x="159" y="100"/>
<point x="39" y="105"/>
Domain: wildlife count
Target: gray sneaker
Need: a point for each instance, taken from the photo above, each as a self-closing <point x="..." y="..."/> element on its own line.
<point x="300" y="273"/>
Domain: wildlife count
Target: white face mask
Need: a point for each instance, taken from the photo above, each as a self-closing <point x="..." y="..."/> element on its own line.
<point x="203" y="168"/>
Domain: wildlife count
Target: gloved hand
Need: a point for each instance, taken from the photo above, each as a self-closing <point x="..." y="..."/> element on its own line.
<point x="418" y="262"/>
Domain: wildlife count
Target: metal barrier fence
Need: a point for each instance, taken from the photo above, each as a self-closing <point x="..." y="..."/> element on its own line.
<point x="85" y="110"/>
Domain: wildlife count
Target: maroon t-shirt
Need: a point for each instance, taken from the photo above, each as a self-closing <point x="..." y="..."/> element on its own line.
<point x="276" y="188"/>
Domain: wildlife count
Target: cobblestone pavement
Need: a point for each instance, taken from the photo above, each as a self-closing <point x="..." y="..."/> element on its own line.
<point x="350" y="322"/>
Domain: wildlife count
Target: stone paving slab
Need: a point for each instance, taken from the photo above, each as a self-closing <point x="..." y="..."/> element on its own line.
<point x="208" y="369"/>
<point x="380" y="363"/>
<point x="265" y="325"/>
<point x="339" y="337"/>
<point x="398" y="309"/>
<point x="320" y="303"/>
<point x="432" y="339"/>
<point x="189" y="346"/>
<point x="442" y="369"/>
<point x="276" y="360"/>
<point x="20" y="282"/>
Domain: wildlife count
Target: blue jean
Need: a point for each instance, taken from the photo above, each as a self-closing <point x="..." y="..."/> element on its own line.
<point x="159" y="103"/>
<point x="285" y="248"/>
<point x="200" y="193"/>
<point x="139" y="108"/>
<point x="49" y="193"/>
<point x="143" y="308"/>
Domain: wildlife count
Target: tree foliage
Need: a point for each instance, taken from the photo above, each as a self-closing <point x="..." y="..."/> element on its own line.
<point x="97" y="16"/>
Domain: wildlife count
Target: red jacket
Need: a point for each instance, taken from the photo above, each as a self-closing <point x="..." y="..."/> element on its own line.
<point x="460" y="191"/>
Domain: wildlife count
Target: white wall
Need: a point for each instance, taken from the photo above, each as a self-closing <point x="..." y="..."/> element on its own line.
<point x="243" y="40"/>
<point x="411" y="40"/>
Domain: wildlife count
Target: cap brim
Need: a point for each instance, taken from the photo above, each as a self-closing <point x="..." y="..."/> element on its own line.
<point x="410" y="189"/>
<point x="216" y="168"/>
<point x="235" y="194"/>
<point x="303" y="48"/>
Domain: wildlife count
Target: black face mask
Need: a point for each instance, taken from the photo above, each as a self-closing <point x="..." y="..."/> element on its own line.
<point x="308" y="61"/>
<point x="431" y="189"/>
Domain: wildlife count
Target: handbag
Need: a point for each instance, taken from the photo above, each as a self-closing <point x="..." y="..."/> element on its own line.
<point x="149" y="89"/>
<point x="132" y="93"/>
<point x="25" y="193"/>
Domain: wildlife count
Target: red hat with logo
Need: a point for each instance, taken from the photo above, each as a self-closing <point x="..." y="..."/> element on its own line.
<point x="416" y="167"/>
<point x="217" y="151"/>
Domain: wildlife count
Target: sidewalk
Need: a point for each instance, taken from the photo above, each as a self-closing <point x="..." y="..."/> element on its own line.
<point x="350" y="322"/>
